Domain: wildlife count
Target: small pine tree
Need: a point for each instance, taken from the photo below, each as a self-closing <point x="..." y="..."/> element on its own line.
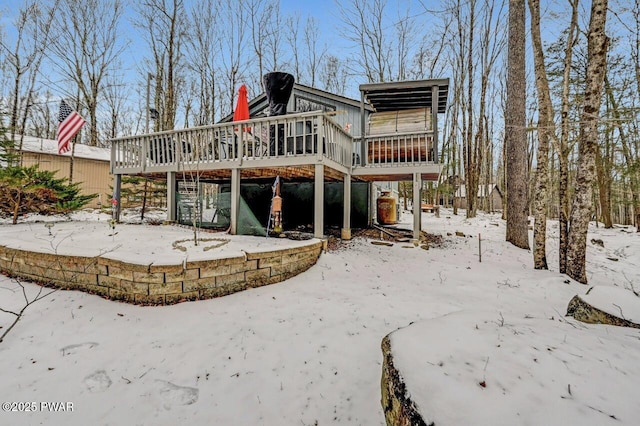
<point x="9" y="156"/>
<point x="31" y="190"/>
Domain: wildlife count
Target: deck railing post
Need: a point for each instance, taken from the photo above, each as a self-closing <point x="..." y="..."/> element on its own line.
<point x="144" y="141"/>
<point x="322" y="141"/>
<point x="434" y="122"/>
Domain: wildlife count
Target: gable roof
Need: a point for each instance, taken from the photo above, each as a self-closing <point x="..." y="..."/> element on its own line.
<point x="50" y="146"/>
<point x="256" y="102"/>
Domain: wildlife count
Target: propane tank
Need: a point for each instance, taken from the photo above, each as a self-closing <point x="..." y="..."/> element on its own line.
<point x="276" y="212"/>
<point x="387" y="211"/>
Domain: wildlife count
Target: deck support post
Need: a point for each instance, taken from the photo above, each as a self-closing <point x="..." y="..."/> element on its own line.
<point x="318" y="201"/>
<point x="117" y="185"/>
<point x="345" y="234"/>
<point x="172" y="189"/>
<point x="417" y="208"/>
<point x="235" y="200"/>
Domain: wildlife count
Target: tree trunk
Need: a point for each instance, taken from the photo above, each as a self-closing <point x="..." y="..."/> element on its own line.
<point x="604" y="186"/>
<point x="470" y="166"/>
<point x="632" y="160"/>
<point x="545" y="127"/>
<point x="588" y="143"/>
<point x="515" y="121"/>
<point x="563" y="151"/>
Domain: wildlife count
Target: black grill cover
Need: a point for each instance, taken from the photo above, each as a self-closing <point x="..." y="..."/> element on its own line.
<point x="278" y="87"/>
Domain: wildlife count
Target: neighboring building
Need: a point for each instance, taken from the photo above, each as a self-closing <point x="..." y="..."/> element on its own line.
<point x="316" y="149"/>
<point x="489" y="194"/>
<point x="90" y="165"/>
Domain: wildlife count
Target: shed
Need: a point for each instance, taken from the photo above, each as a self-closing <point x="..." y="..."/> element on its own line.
<point x="490" y="194"/>
<point x="90" y="165"/>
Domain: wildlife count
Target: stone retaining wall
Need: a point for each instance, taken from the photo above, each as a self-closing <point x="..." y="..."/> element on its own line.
<point x="399" y="409"/>
<point x="159" y="284"/>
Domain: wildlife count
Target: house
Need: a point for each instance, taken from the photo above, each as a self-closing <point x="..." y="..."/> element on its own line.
<point x="344" y="111"/>
<point x="489" y="197"/>
<point x="91" y="165"/>
<point x="332" y="142"/>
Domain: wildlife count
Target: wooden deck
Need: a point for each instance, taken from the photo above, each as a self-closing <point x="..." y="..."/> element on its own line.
<point x="289" y="145"/>
<point x="307" y="146"/>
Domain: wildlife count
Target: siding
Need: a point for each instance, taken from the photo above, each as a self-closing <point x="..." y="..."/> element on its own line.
<point x="93" y="175"/>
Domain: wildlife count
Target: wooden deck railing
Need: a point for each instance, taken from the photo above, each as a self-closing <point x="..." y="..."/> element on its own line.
<point x="398" y="149"/>
<point x="281" y="140"/>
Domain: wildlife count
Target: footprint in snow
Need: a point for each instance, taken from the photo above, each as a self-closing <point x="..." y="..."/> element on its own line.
<point x="177" y="395"/>
<point x="72" y="349"/>
<point x="98" y="381"/>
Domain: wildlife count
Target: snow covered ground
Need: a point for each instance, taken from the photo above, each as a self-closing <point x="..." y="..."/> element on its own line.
<point x="307" y="351"/>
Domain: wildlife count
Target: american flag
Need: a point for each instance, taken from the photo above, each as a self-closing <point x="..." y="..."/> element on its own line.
<point x="70" y="123"/>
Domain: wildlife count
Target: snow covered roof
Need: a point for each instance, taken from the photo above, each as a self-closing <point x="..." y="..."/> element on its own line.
<point x="50" y="146"/>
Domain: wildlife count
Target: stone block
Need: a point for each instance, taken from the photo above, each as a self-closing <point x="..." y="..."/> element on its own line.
<point x="182" y="275"/>
<point x="117" y="264"/>
<point x="209" y="293"/>
<point x="236" y="287"/>
<point x="297" y="257"/>
<point x="244" y="266"/>
<point x="92" y="267"/>
<point x="120" y="272"/>
<point x="165" y="288"/>
<point x="117" y="294"/>
<point x="266" y="262"/>
<point x="209" y="264"/>
<point x="35" y="270"/>
<point x="108" y="281"/>
<point x="143" y="299"/>
<point x="134" y="287"/>
<point x="257" y="277"/>
<point x="181" y="297"/>
<point x="84" y="279"/>
<point x="215" y="271"/>
<point x="98" y="289"/>
<point x="199" y="284"/>
<point x="288" y="269"/>
<point x="226" y="280"/>
<point x="148" y="277"/>
<point x="173" y="269"/>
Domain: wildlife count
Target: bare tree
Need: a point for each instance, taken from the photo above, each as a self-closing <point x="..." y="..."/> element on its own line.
<point x="334" y="74"/>
<point x="582" y="201"/>
<point x="259" y="13"/>
<point x="32" y="35"/>
<point x="545" y="129"/>
<point x="202" y="51"/>
<point x="164" y="24"/>
<point x="28" y="301"/>
<point x="43" y="120"/>
<point x="515" y="121"/>
<point x="293" y="39"/>
<point x="563" y="149"/>
<point x="313" y="53"/>
<point x="275" y="39"/>
<point x="364" y="24"/>
<point x="232" y="60"/>
<point x="631" y="147"/>
<point x="86" y="48"/>
<point x="115" y="102"/>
